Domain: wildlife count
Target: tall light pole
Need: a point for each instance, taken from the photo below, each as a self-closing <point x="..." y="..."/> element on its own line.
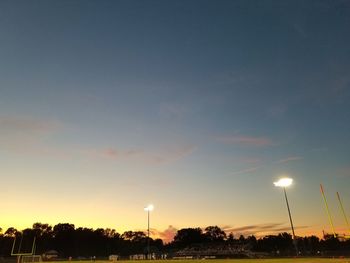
<point x="148" y="209"/>
<point x="285" y="182"/>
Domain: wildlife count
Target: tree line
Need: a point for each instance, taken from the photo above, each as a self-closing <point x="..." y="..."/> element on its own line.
<point x="70" y="241"/>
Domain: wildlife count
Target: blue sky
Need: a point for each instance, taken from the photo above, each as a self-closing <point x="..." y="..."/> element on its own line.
<point x="193" y="105"/>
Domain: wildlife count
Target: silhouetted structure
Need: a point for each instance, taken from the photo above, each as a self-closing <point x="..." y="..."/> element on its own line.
<point x="68" y="241"/>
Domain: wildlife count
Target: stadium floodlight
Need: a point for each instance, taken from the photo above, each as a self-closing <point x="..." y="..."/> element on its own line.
<point x="285" y="182"/>
<point x="148" y="209"/>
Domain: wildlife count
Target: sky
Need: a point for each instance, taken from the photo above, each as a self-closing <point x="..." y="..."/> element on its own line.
<point x="195" y="106"/>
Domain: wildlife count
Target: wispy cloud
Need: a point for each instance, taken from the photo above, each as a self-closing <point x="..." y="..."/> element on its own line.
<point x="25" y="125"/>
<point x="19" y="133"/>
<point x="287" y="228"/>
<point x="120" y="154"/>
<point x="246" y="171"/>
<point x="165" y="155"/>
<point x="277" y="111"/>
<point x="319" y="149"/>
<point x="259" y="229"/>
<point x="176" y="110"/>
<point x="256" y="164"/>
<point x="343" y="172"/>
<point x="289" y="159"/>
<point x="255" y="228"/>
<point x="28" y="135"/>
<point x="247" y="160"/>
<point x="245" y="140"/>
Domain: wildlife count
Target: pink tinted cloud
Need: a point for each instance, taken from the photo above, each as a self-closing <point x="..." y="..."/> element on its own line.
<point x="246" y="140"/>
<point x="179" y="152"/>
<point x="260" y="230"/>
<point x="252" y="228"/>
<point x="116" y="154"/>
<point x="343" y="172"/>
<point x="167" y="155"/>
<point x="25" y="134"/>
<point x="166" y="235"/>
<point x="25" y="125"/>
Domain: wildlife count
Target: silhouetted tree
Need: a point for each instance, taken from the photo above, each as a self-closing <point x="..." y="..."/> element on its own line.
<point x="42" y="229"/>
<point x="134" y="236"/>
<point x="88" y="242"/>
<point x="64" y="239"/>
<point x="282" y="244"/>
<point x="11" y="232"/>
<point x="252" y="242"/>
<point x="110" y="233"/>
<point x="330" y="243"/>
<point x="241" y="239"/>
<point x="187" y="236"/>
<point x="214" y="234"/>
<point x="230" y="238"/>
<point x="44" y="237"/>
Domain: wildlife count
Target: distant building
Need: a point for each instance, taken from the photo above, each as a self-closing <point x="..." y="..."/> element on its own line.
<point x="50" y="255"/>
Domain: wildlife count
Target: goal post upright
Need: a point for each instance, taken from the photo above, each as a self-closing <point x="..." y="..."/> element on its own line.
<point x="343" y="211"/>
<point x="19" y="254"/>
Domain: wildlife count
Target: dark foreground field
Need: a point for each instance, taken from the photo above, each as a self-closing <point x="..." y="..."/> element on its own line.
<point x="284" y="260"/>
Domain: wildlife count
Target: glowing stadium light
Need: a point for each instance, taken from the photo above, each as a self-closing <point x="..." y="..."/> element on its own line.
<point x="283" y="182"/>
<point x="150" y="207"/>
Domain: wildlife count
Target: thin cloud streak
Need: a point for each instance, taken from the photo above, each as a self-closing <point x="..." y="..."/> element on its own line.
<point x="257" y="228"/>
<point x="277" y="111"/>
<point x="289" y="159"/>
<point x="248" y="160"/>
<point x="253" y="169"/>
<point x="25" y="125"/>
<point x="260" y="230"/>
<point x="246" y="171"/>
<point x="25" y="134"/>
<point x="163" y="156"/>
<point x="173" y="110"/>
<point x="284" y="229"/>
<point x="246" y="140"/>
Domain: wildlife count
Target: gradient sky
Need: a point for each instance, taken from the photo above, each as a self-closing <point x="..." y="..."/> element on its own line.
<point x="195" y="106"/>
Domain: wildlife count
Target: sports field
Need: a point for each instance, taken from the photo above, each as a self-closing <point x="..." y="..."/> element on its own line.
<point x="278" y="260"/>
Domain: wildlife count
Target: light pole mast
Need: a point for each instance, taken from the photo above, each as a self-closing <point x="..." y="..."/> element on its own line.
<point x="290" y="216"/>
<point x="148" y="209"/>
<point x="285" y="182"/>
<point x="148" y="233"/>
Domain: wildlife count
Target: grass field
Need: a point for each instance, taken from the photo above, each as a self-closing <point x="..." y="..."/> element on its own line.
<point x="277" y="260"/>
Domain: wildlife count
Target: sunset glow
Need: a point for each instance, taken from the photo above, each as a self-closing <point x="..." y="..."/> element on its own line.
<point x="197" y="106"/>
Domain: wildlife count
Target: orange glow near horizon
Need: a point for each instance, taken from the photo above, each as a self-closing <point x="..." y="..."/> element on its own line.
<point x="157" y="231"/>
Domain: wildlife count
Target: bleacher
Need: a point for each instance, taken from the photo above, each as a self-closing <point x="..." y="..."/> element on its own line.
<point x="215" y="251"/>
